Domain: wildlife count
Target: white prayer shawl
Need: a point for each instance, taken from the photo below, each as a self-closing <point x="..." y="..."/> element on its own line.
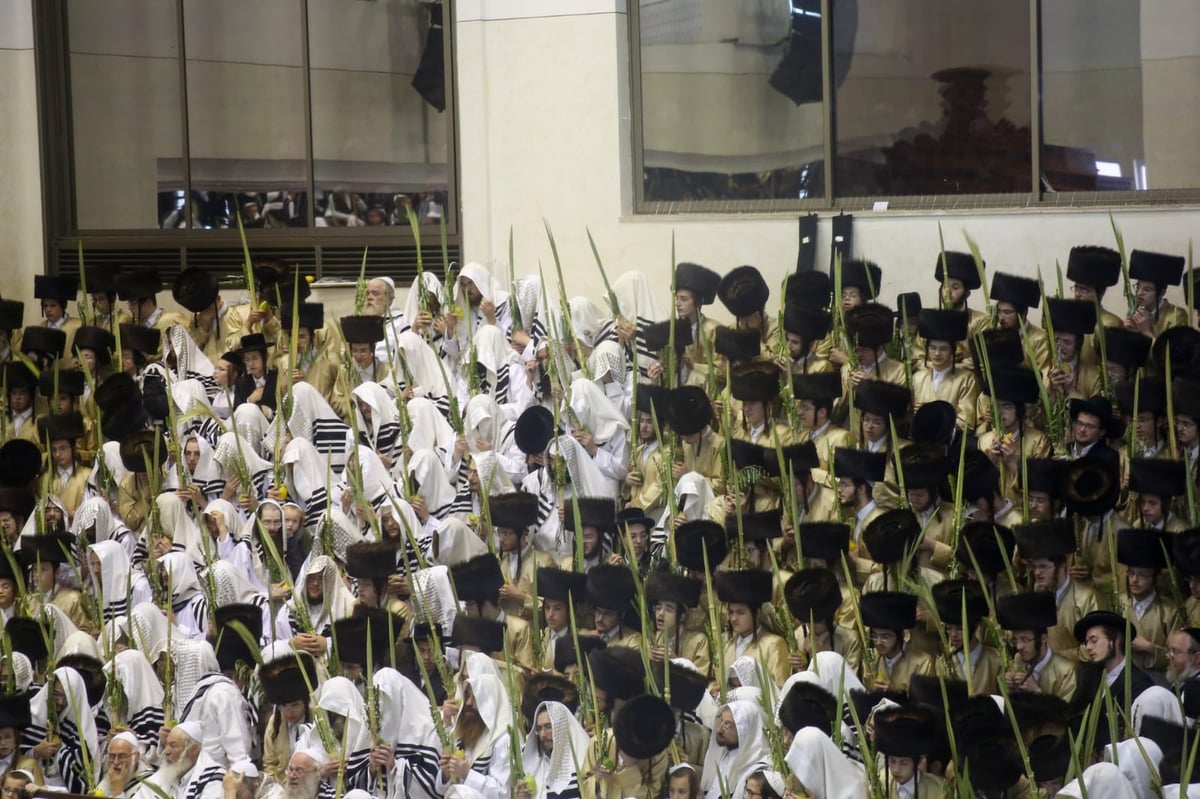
<point x="207" y="475"/>
<point x="527" y="294"/>
<point x="1139" y="760"/>
<point x="823" y="771"/>
<point x="412" y="303"/>
<point x="187" y="599"/>
<point x="834" y="674"/>
<point x="484" y="420"/>
<point x="726" y="770"/>
<point x="143" y="692"/>
<point x="489" y="288"/>
<point x="61" y="625"/>
<point x="588" y="319"/>
<point x="1101" y="781"/>
<point x="218" y="705"/>
<point x="422" y="365"/>
<point x="179" y="524"/>
<point x="249" y="422"/>
<point x="406" y="722"/>
<point x="231" y="449"/>
<point x="636" y="298"/>
<point x="310" y="480"/>
<point x="1156" y="702"/>
<point x="693" y="495"/>
<point x="233" y="588"/>
<point x="494" y="353"/>
<point x="337" y="603"/>
<point x="433" y="598"/>
<point x="557" y="773"/>
<point x="338" y="695"/>
<point x="457" y="543"/>
<point x="607" y="359"/>
<point x="430" y="475"/>
<point x="190" y="360"/>
<point x="22" y="671"/>
<point x="95" y="512"/>
<point x="489" y="757"/>
<point x="119" y="586"/>
<point x="76" y="728"/>
<point x="382" y="431"/>
<point x="149" y="631"/>
<point x="313" y="419"/>
<point x="430" y="430"/>
<point x="203" y="781"/>
<point x="597" y="413"/>
<point x="110" y="454"/>
<point x="586" y="478"/>
<point x="80" y="643"/>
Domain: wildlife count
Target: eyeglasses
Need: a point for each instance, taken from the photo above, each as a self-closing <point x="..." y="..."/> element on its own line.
<point x="297" y="770"/>
<point x="119" y="758"/>
<point x="1179" y="652"/>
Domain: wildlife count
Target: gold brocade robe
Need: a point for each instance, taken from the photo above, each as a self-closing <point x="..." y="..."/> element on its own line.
<point x="1078" y="600"/>
<point x="213" y="340"/>
<point x="1156" y="625"/>
<point x="959" y="388"/>
<point x="705" y="457"/>
<point x="1058" y="677"/>
<point x="1169" y="316"/>
<point x="71" y="490"/>
<point x="826" y="442"/>
<point x="523" y="580"/>
<point x="985" y="672"/>
<point x="767" y="648"/>
<point x="132" y="505"/>
<point x="844" y="641"/>
<point x="649" y="496"/>
<point x="639" y="779"/>
<point x="1034" y="444"/>
<point x="902" y="671"/>
<point x="703" y="358"/>
<point x="929" y="786"/>
<point x="819" y="506"/>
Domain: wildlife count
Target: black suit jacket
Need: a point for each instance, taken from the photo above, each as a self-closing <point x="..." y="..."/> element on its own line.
<point x="245" y="387"/>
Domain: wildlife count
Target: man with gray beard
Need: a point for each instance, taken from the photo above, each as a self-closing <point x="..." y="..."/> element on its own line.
<point x="1183" y="659"/>
<point x="123" y="772"/>
<point x="303" y="776"/>
<point x="186" y="771"/>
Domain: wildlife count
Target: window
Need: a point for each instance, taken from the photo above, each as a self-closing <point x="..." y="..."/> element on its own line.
<point x="303" y="117"/>
<point x="780" y="104"/>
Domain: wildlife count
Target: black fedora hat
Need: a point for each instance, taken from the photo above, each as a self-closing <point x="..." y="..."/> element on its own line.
<point x="55" y="287"/>
<point x="255" y="342"/>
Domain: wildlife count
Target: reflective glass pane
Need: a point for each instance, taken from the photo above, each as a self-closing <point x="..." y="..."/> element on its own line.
<point x="379" y="138"/>
<point x="1120" y="94"/>
<point x="731" y="100"/>
<point x="933" y="97"/>
<point x="247" y="124"/>
<point x="125" y="113"/>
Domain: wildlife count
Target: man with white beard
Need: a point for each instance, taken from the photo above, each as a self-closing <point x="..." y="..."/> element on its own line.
<point x="186" y="771"/>
<point x="123" y="766"/>
<point x="303" y="776"/>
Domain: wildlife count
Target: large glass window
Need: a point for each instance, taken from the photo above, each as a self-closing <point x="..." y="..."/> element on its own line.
<point x="835" y="103"/>
<point x="185" y="114"/>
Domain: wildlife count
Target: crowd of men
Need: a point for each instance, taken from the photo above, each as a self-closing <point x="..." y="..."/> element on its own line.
<point x="484" y="539"/>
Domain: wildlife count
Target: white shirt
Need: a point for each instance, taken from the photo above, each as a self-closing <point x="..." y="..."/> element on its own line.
<point x="908" y="789"/>
<point x="938" y="376"/>
<point x="154" y="317"/>
<point x="1140" y="606"/>
<point x="1061" y="592"/>
<point x="741" y="644"/>
<point x="1114" y="675"/>
<point x="19" y="419"/>
<point x="1041" y="665"/>
<point x="859" y="519"/>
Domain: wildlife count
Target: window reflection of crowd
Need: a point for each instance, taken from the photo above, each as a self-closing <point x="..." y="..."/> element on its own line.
<point x="279" y="209"/>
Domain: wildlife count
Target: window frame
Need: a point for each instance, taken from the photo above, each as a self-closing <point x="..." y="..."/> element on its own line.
<point x="1036" y="199"/>
<point x="55" y="128"/>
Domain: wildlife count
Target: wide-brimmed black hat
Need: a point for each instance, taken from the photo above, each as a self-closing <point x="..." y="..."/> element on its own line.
<point x="1149" y="394"/>
<point x="255" y="342"/>
<point x="657" y="336"/>
<point x="939" y="325"/>
<point x="644" y="727"/>
<point x="632" y="515"/>
<point x="689" y="410"/>
<point x="908" y="306"/>
<point x="862" y="275"/>
<point x="807" y="704"/>
<point x="883" y="399"/>
<point x="97" y="339"/>
<point x="992" y="546"/>
<point x="747" y="455"/>
<point x="61" y="427"/>
<point x="28" y="636"/>
<point x="598" y="512"/>
<point x="534" y="429"/>
<point x="1186" y="550"/>
<point x="669" y="587"/>
<point x="760" y="526"/>
<point x="700" y="280"/>
<point x="1103" y="618"/>
<point x="515" y="510"/>
<point x="19" y="502"/>
<point x="139" y="450"/>
<point x="925" y="690"/>
<point x="1090" y="486"/>
<point x="195" y="289"/>
<point x="1022" y="292"/>
<point x="1015" y="384"/>
<point x="743" y="291"/>
<point x="312" y="316"/>
<point x="826" y="386"/>
<point x="1050" y="757"/>
<point x="547" y="687"/>
<point x="1126" y="347"/>
<point x="867" y="467"/>
<point x="565" y="654"/>
<point x="1035" y="610"/>
<point x="121" y="411"/>
<point x="992" y="761"/>
<point x="905" y="731"/>
<point x="1050" y="539"/>
<point x="229" y="645"/>
<point x="138" y="284"/>
<point x="827" y="541"/>
<point x="478" y="579"/>
<point x="617" y="670"/>
<point x="15" y="712"/>
<point x="1002" y="345"/>
<point x="1158" y="268"/>
<point x="283" y="679"/>
<point x="70" y="382"/>
<point x="91" y="670"/>
<point x="687" y="686"/>
<point x="1043" y="474"/>
<point x="1185" y="393"/>
<point x="475" y="632"/>
<point x="55" y="287"/>
<point x="377" y="627"/>
<point x="1098" y="267"/>
<point x="959" y="266"/>
<point x="611" y="588"/>
<point x="752" y="587"/>
<point x="934" y="423"/>
<point x="562" y="585"/>
<point x="888" y="610"/>
<point x="1158" y="476"/>
<point x="651" y="400"/>
<point x="810" y="324"/>
<point x="50" y="340"/>
<point x="139" y="338"/>
<point x="892" y="534"/>
<point x="924" y="465"/>
<point x="20" y="463"/>
<point x="100" y="278"/>
<point x="362" y="329"/>
<point x="797" y="459"/>
<point x="980" y="477"/>
<point x="808" y="290"/>
<point x="694" y="538"/>
<point x="371" y="560"/>
<point x="812" y="594"/>
<point x="1071" y="316"/>
<point x="53" y="548"/>
<point x="870" y="325"/>
<point x="755" y="381"/>
<point x="950" y="597"/>
<point x="1142" y="548"/>
<point x="12" y="314"/>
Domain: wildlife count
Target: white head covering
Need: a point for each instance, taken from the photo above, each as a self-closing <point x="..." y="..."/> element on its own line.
<point x="80" y="643"/>
<point x="189" y="395"/>
<point x="190" y="360"/>
<point x="181" y="571"/>
<point x="597" y="412"/>
<point x="693" y="495"/>
<point x="1100" y="781"/>
<point x="311" y="477"/>
<point x="483" y="419"/>
<point x="148" y="630"/>
<point x="233" y="587"/>
<point x="385" y="418"/>
<point x="230" y="449"/>
<point x="834" y="674"/>
<point x="194" y="660"/>
<point x="338" y="695"/>
<point x="116" y="578"/>
<point x="173" y="514"/>
<point x="95" y="512"/>
<point x="412" y="303"/>
<point x="1156" y="702"/>
<point x="822" y="769"/>
<point x="430" y="430"/>
<point x="422" y="363"/>
<point x="527" y="294"/>
<point x="588" y="319"/>
<point x="22" y="672"/>
<point x="607" y="358"/>
<point x="735" y="765"/>
<point x="143" y="692"/>
<point x="1138" y="759"/>
<point x="433" y="597"/>
<point x="338" y="602"/>
<point x="456" y="543"/>
<point x="76" y="723"/>
<point x="586" y="478"/>
<point x="192" y="729"/>
<point x="481" y="276"/>
<point x="492" y="701"/>
<point x="635" y="297"/>
<point x="493" y="479"/>
<point x="494" y="352"/>
<point x="558" y="772"/>
<point x="432" y="485"/>
<point x="404" y="713"/>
